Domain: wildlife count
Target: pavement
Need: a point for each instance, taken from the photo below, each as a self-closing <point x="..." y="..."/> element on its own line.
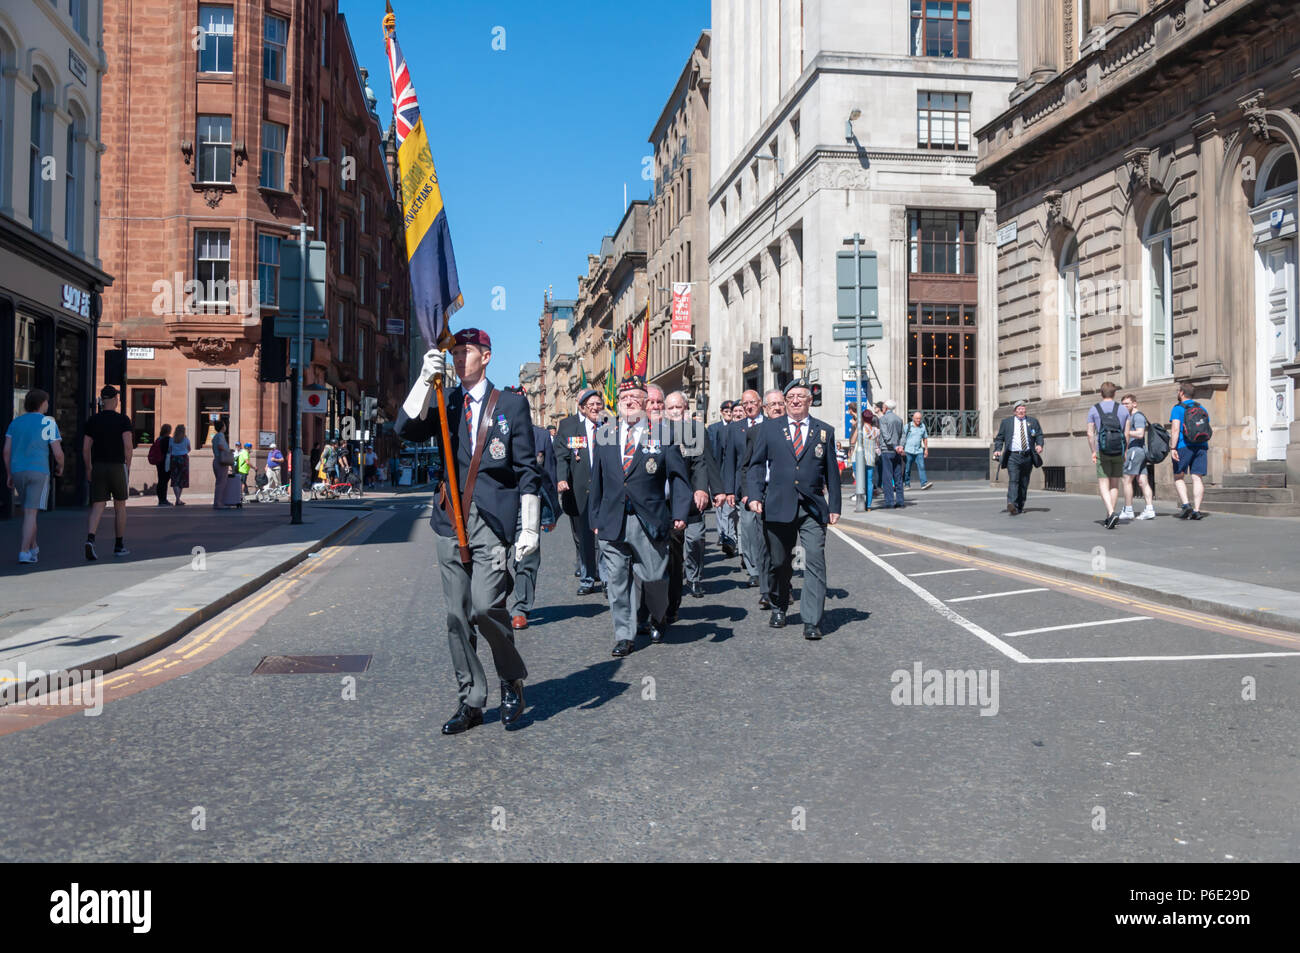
<point x="1239" y="567"/>
<point x="1145" y="735"/>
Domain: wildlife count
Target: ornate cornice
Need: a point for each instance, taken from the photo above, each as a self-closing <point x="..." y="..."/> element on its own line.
<point x="1254" y="113"/>
<point x="216" y="350"/>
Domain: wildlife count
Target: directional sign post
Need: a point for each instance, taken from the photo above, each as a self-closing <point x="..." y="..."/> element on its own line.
<point x="857" y="298"/>
<point x="302" y="289"/>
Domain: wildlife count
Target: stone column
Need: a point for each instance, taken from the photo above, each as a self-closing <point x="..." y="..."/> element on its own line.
<point x="894" y="311"/>
<point x="1048" y="40"/>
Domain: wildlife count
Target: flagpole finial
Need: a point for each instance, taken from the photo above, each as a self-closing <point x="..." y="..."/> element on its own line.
<point x="390" y="19"/>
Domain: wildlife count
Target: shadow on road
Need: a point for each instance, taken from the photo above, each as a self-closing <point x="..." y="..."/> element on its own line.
<point x="587" y="688"/>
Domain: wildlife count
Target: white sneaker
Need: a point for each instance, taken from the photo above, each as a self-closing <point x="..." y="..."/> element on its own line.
<point x="26" y="557"/>
<point x="36" y="553"/>
<point x="1148" y="514"/>
<point x="1127" y="513"/>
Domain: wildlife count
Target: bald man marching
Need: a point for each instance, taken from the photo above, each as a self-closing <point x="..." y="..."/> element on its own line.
<point x="500" y="479"/>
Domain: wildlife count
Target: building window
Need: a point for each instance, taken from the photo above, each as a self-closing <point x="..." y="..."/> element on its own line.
<point x="366" y="225"/>
<point x="37" y="190"/>
<point x="324" y="145"/>
<point x="361" y="352"/>
<point x="77" y="8"/>
<point x="943" y="121"/>
<point x="347" y="245"/>
<point x="212" y="265"/>
<point x="275" y="41"/>
<point x="214" y="149"/>
<point x="268" y="269"/>
<point x="941" y="366"/>
<point x="73" y="190"/>
<point x="325" y="40"/>
<point x="274" y="136"/>
<point x="1068" y="307"/>
<point x="363" y="275"/>
<point x="342" y="322"/>
<point x="942" y="243"/>
<point x="143" y="405"/>
<point x="1281" y="175"/>
<point x="217" y="39"/>
<point x="322" y="217"/>
<point x="941" y="28"/>
<point x="1157" y="258"/>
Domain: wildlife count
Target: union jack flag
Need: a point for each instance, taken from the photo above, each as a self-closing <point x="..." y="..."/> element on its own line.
<point x="406" y="108"/>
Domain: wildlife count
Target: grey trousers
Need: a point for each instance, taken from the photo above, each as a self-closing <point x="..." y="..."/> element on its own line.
<point x="753" y="550"/>
<point x="635" y="559"/>
<point x="525" y="574"/>
<point x="806" y="531"/>
<point x="685" y="559"/>
<point x="476" y="605"/>
<point x="584" y="541"/>
<point x="724" y="517"/>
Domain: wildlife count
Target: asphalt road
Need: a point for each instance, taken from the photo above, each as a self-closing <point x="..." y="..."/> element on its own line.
<point x="732" y="741"/>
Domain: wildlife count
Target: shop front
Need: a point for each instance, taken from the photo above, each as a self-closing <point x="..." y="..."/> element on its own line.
<point x="49" y="310"/>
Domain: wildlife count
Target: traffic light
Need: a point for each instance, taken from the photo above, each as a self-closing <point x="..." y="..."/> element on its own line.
<point x="272" y="354"/>
<point x="816" y="394"/>
<point x="782" y="362"/>
<point x="115" y="366"/>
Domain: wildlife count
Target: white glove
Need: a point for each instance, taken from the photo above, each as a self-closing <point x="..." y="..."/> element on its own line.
<point x="530" y="508"/>
<point x="435" y="365"/>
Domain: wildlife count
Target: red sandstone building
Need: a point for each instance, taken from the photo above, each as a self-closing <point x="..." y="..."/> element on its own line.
<point x="226" y="125"/>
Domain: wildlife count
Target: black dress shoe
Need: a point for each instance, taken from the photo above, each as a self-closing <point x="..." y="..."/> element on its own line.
<point x="764" y="602"/>
<point x="512" y="701"/>
<point x="643" y="628"/>
<point x="658" y="630"/>
<point x="778" y="619"/>
<point x="622" y="648"/>
<point x="812" y="632"/>
<point x="753" y="583"/>
<point x="587" y="590"/>
<point x="669" y="619"/>
<point x="728" y="550"/>
<point x="1011" y="508"/>
<point x="695" y="591"/>
<point x="464" y="719"/>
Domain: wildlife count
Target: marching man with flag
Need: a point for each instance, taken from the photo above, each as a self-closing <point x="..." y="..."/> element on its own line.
<point x="490" y="477"/>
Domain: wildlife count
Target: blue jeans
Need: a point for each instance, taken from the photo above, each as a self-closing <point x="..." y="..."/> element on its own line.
<point x="919" y="460"/>
<point x="871" y="484"/>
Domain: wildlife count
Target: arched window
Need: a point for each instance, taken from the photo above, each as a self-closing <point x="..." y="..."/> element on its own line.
<point x="1069" y="311"/>
<point x="1279" y="174"/>
<point x="74" y="182"/>
<point x="1157" y="281"/>
<point x="38" y="148"/>
<point x="6" y="124"/>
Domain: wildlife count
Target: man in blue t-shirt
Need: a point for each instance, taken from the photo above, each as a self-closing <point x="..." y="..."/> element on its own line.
<point x="29" y="441"/>
<point x="1188" y="457"/>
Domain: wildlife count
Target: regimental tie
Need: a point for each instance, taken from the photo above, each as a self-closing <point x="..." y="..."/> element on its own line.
<point x="798" y="439"/>
<point x="629" y="448"/>
<point x="469" y="418"/>
<point x="1024" y="437"/>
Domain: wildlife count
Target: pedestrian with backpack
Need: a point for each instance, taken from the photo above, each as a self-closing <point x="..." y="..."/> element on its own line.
<point x="1135" y="460"/>
<point x="1106" y="422"/>
<point x="1190" y="432"/>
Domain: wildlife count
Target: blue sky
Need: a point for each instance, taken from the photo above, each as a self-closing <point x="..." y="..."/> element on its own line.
<point x="534" y="143"/>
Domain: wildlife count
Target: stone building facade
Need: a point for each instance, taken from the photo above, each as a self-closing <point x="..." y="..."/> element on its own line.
<point x="214" y="154"/>
<point x="1146" y="192"/>
<point x="52" y="65"/>
<point x="839" y="118"/>
<point x="560" y="374"/>
<point x="678" y="225"/>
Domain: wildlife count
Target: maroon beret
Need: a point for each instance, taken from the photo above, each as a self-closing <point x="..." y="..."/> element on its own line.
<point x="474" y="336"/>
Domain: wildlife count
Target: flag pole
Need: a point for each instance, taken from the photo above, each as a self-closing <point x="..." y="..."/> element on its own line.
<point x="450" y="480"/>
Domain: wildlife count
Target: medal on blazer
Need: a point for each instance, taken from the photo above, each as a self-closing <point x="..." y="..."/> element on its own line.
<point x="820" y="450"/>
<point x="505" y="427"/>
<point x="653" y="446"/>
<point x="497" y="449"/>
<point x="651" y="465"/>
<point x="577" y="443"/>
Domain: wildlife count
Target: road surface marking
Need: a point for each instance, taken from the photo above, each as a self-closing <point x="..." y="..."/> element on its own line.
<point x="1162" y="658"/>
<point x="995" y="595"/>
<point x="1078" y="625"/>
<point x="936" y="603"/>
<point x="906" y="552"/>
<point x="941" y="572"/>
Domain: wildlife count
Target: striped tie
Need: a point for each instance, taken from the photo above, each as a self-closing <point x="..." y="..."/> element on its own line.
<point x="629" y="448"/>
<point x="798" y="438"/>
<point x="469" y="419"/>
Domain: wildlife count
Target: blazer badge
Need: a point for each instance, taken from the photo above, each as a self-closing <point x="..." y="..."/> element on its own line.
<point x="820" y="450"/>
<point x="497" y="449"/>
<point x="651" y="465"/>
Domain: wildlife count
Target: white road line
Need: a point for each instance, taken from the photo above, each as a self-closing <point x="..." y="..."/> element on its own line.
<point x="1161" y="658"/>
<point x="941" y="572"/>
<point x="995" y="595"/>
<point x="906" y="552"/>
<point x="936" y="603"/>
<point x="1078" y="625"/>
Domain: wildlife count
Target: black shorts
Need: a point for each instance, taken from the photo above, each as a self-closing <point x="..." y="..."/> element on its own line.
<point x="107" y="481"/>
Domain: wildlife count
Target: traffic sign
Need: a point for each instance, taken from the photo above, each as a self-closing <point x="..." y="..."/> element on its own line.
<point x="872" y="330"/>
<point x="313" y="401"/>
<point x="286" y="326"/>
<point x="290" y="271"/>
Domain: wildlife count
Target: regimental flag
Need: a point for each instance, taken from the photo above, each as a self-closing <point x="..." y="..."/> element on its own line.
<point x="435" y="287"/>
<point x="611" y="386"/>
<point x="629" y="362"/>
<point x="642" y="357"/>
<point x="582" y="384"/>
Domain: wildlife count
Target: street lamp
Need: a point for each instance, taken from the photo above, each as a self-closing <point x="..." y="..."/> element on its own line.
<point x="848" y="125"/>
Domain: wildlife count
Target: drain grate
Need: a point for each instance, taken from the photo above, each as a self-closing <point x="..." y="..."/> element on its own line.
<point x="311" y="664"/>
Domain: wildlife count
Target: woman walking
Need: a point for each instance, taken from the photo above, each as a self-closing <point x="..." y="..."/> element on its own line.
<point x="179" y="471"/>
<point x="222" y="460"/>
<point x="160" y="456"/>
<point x="869" y="434"/>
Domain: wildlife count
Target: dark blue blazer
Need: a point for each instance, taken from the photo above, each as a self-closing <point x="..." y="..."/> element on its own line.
<point x="735" y="455"/>
<point x="643" y="486"/>
<point x="792" y="480"/>
<point x="545" y="449"/>
<point x="501" y="479"/>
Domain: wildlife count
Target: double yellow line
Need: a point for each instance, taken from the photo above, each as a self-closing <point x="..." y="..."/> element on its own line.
<point x="1199" y="619"/>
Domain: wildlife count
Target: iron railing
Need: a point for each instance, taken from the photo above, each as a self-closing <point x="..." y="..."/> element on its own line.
<point x="951" y="423"/>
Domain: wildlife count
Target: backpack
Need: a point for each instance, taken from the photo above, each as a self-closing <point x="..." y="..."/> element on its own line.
<point x="1196" y="424"/>
<point x="1110" y="436"/>
<point x="156" y="453"/>
<point x="1157" y="442"/>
